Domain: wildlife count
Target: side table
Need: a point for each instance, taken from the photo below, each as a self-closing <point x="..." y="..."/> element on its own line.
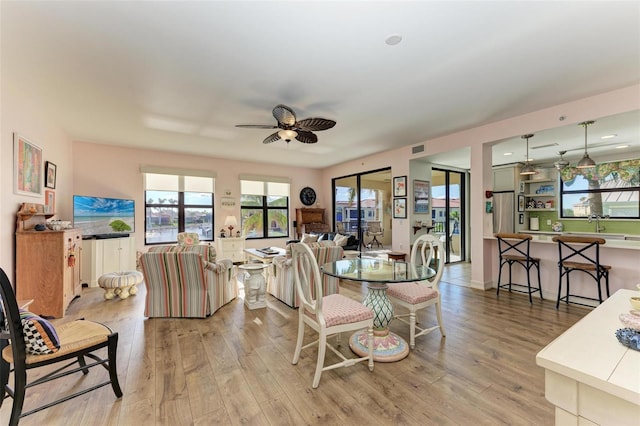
<point x="397" y="255"/>
<point x="255" y="286"/>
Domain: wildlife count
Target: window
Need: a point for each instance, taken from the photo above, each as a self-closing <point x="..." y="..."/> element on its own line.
<point x="177" y="203"/>
<point x="264" y="209"/>
<point x="611" y="189"/>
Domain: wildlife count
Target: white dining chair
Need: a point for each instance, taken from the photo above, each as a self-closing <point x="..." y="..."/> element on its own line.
<point x="327" y="315"/>
<point x="414" y="296"/>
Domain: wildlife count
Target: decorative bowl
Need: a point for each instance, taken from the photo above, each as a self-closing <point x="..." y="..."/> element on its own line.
<point x="635" y="302"/>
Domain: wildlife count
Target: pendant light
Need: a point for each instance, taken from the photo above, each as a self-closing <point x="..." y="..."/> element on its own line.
<point x="561" y="163"/>
<point x="586" y="162"/>
<point x="528" y="168"/>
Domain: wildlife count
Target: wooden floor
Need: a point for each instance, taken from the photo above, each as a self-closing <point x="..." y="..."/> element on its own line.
<point x="235" y="367"/>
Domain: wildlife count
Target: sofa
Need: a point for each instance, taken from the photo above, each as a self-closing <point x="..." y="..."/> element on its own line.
<point x="352" y="242"/>
<point x="186" y="281"/>
<point x="281" y="284"/>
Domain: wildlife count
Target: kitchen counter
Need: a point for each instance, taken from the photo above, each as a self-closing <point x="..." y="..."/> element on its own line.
<point x="589" y="375"/>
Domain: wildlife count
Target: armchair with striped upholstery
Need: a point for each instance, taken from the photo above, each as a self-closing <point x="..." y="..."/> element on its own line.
<point x="282" y="285"/>
<point x="186" y="281"/>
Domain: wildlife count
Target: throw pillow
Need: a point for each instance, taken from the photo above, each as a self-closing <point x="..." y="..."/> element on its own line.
<point x="308" y="238"/>
<point x="341" y="240"/>
<point x="188" y="238"/>
<point x="40" y="336"/>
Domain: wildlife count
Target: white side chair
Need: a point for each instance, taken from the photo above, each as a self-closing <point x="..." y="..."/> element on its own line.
<point x="418" y="295"/>
<point x="328" y="315"/>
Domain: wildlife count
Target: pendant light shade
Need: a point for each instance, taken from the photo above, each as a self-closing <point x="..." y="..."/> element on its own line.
<point x="528" y="169"/>
<point x="586" y="161"/>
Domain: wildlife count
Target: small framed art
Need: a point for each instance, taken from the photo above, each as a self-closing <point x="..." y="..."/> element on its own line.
<point x="27" y="167"/>
<point x="50" y="175"/>
<point x="521" y="219"/>
<point x="420" y="196"/>
<point x="49" y="201"/>
<point x="400" y="186"/>
<point x="399" y="208"/>
<point x="520" y="203"/>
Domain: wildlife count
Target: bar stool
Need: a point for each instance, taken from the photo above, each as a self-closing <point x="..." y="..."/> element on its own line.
<point x="514" y="248"/>
<point x="570" y="250"/>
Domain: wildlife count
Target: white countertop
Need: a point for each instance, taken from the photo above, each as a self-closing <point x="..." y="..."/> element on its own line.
<point x="589" y="352"/>
<point x="546" y="237"/>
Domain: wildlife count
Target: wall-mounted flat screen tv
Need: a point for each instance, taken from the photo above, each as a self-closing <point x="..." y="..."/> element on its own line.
<point x="103" y="217"/>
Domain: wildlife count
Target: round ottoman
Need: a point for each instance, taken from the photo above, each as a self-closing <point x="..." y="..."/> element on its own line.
<point x="120" y="284"/>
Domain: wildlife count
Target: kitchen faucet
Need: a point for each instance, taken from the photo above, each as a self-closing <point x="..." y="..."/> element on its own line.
<point x="597" y="217"/>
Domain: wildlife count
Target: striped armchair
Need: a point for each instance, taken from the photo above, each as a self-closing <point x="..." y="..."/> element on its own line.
<point x="182" y="282"/>
<point x="282" y="286"/>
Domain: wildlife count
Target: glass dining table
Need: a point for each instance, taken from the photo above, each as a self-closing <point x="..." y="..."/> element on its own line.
<point x="377" y="274"/>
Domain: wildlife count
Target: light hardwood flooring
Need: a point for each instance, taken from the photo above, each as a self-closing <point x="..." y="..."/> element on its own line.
<point x="235" y="367"/>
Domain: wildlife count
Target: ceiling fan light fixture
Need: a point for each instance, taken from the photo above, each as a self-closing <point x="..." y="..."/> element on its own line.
<point x="287" y="135"/>
<point x="586" y="161"/>
<point x="561" y="163"/>
<point x="528" y="169"/>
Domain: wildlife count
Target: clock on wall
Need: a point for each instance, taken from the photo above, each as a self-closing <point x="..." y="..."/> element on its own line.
<point x="307" y="196"/>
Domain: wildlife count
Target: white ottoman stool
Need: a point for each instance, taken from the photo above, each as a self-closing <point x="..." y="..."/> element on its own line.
<point x="120" y="284"/>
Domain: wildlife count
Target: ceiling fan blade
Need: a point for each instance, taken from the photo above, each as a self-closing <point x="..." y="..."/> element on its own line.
<point x="315" y="124"/>
<point x="284" y="115"/>
<point x="271" y="138"/>
<point x="257" y="126"/>
<point x="306" y="137"/>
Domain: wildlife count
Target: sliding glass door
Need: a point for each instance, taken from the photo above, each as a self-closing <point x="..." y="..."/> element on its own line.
<point x="361" y="200"/>
<point x="447" y="212"/>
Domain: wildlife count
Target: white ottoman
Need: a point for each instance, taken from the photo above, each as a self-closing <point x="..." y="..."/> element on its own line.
<point x="120" y="284"/>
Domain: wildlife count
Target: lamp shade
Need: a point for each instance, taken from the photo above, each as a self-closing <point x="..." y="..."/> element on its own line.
<point x="230" y="221"/>
<point x="528" y="170"/>
<point x="287" y="135"/>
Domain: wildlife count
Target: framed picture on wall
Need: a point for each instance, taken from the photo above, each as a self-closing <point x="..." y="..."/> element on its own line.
<point x="421" y="196"/>
<point x="50" y="175"/>
<point x="49" y="201"/>
<point x="399" y="208"/>
<point x="27" y="167"/>
<point x="400" y="186"/>
<point x="520" y="203"/>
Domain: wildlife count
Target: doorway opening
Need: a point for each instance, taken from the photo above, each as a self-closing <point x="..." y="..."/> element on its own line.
<point x="448" y="212"/>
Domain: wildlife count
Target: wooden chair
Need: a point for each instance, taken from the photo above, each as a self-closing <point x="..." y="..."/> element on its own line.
<point x="414" y="296"/>
<point x="327" y="315"/>
<point x="514" y="248"/>
<point x="580" y="254"/>
<point x="78" y="339"/>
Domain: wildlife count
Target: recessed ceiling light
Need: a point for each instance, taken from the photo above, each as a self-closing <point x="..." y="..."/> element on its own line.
<point x="622" y="146"/>
<point x="393" y="39"/>
<point x="608" y="136"/>
<point x="508" y="153"/>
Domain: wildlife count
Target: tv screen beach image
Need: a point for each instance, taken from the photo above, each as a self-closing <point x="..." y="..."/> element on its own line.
<point x="103" y="216"/>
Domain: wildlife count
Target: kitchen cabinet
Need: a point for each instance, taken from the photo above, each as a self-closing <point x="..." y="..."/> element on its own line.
<point x="101" y="256"/>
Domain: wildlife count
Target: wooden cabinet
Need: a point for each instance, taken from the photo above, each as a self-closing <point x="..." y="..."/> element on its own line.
<point x="101" y="256"/>
<point x="230" y="248"/>
<point x="504" y="179"/>
<point x="305" y="216"/>
<point x="48" y="269"/>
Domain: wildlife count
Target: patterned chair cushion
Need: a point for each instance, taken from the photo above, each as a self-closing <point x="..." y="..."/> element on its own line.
<point x="188" y="238"/>
<point x="412" y="293"/>
<point x="338" y="309"/>
<point x="40" y="336"/>
<point x="207" y="251"/>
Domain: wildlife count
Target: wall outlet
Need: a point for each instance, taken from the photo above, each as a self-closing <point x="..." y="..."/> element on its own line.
<point x="548" y="221"/>
<point x="400" y="246"/>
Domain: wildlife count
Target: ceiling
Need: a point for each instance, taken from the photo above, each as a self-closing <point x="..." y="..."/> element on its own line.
<point x="178" y="76"/>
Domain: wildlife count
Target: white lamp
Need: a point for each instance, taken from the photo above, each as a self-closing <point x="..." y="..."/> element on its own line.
<point x="230" y="222"/>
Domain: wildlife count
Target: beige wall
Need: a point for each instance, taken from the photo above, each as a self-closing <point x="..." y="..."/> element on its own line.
<point x="111" y="171"/>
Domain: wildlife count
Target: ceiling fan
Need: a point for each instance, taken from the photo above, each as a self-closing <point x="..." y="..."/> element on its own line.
<point x="561" y="163"/>
<point x="290" y="128"/>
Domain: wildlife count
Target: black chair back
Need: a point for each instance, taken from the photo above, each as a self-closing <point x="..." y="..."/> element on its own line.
<point x="11" y="315"/>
